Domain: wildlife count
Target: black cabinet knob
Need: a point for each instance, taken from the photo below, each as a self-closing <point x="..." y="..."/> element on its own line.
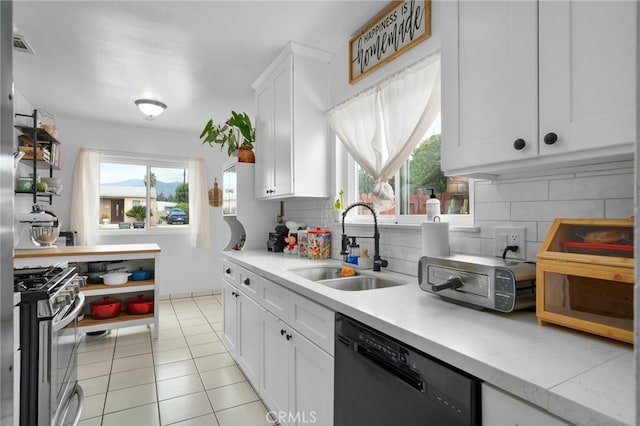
<point x="519" y="144"/>
<point x="227" y="271"/>
<point x="247" y="281"/>
<point x="282" y="331"/>
<point x="289" y="336"/>
<point x="550" y="138"/>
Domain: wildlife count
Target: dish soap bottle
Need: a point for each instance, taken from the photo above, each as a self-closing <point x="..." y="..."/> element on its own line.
<point x="433" y="206"/>
<point x="364" y="261"/>
<point x="354" y="252"/>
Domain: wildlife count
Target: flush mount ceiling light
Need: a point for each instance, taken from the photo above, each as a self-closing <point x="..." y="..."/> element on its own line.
<point x="150" y="108"/>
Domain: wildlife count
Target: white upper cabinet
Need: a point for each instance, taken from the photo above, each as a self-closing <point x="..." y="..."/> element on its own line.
<point x="292" y="149"/>
<point x="587" y="75"/>
<point x="536" y="85"/>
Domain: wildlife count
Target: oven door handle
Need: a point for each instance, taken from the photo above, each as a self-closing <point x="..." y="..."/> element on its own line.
<point x="59" y="325"/>
<point x="59" y="419"/>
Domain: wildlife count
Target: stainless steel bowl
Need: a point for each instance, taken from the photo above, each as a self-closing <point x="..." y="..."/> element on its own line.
<point x="44" y="235"/>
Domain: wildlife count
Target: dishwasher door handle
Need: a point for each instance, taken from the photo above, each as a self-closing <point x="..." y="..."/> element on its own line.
<point x="412" y="379"/>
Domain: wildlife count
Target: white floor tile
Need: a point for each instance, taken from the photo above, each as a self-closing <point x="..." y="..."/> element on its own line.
<point x="253" y="414"/>
<point x="172" y="355"/>
<point x="184" y="407"/>
<point x="221" y="377"/>
<point x="231" y="395"/>
<point x="146" y="415"/>
<point x="132" y="339"/>
<point x="217" y="326"/>
<point x="93" y="406"/>
<point x="131" y="350"/>
<point x="192" y="313"/>
<point x="89" y="357"/>
<point x="175" y="369"/>
<point x="127" y="379"/>
<point x="132" y="362"/>
<point x="198" y="351"/>
<point x="208" y="420"/>
<point x="169" y="324"/>
<point x="179" y="386"/>
<point x="165" y="333"/>
<point x="212" y="362"/>
<point x="96" y="369"/>
<point x="136" y="396"/>
<point x="201" y="339"/>
<point x="96" y="345"/>
<point x="94" y="421"/>
<point x="167" y="344"/>
<point x="198" y="329"/>
<point x="95" y="385"/>
<point x="192" y="322"/>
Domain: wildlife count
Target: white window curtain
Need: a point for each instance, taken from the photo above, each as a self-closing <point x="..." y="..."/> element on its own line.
<point x="85" y="197"/>
<point x="381" y="126"/>
<point x="199" y="227"/>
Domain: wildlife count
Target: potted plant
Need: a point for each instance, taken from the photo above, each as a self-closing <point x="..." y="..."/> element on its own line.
<point x="139" y="213"/>
<point x="236" y="133"/>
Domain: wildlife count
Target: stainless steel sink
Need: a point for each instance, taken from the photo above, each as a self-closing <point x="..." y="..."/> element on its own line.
<point x="318" y="273"/>
<point x="360" y="282"/>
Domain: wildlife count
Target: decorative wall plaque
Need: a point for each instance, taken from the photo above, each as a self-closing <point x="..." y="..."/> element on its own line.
<point x="399" y="27"/>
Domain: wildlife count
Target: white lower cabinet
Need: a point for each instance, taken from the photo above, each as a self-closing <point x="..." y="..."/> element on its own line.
<point x="249" y="316"/>
<point x="241" y="330"/>
<point x="263" y="328"/>
<point x="296" y="379"/>
<point x="500" y="408"/>
<point x="230" y="323"/>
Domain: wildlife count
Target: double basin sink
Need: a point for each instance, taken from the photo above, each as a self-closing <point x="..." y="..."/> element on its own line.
<point x="334" y="277"/>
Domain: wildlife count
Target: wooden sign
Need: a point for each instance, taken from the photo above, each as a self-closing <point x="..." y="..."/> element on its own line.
<point x="402" y="25"/>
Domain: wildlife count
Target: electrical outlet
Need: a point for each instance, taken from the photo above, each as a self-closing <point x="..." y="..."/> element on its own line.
<point x="510" y="236"/>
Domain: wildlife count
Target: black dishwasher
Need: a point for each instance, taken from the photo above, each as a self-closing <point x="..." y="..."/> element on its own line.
<point x="382" y="381"/>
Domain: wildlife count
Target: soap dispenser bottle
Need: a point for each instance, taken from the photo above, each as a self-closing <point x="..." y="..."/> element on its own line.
<point x="433" y="207"/>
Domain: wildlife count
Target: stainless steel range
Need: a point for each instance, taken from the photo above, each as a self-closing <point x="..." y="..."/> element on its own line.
<point x="50" y="302"/>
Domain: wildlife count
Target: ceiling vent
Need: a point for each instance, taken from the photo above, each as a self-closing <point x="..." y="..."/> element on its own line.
<point x="20" y="44"/>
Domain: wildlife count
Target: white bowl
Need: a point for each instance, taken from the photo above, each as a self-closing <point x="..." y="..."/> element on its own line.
<point x="115" y="278"/>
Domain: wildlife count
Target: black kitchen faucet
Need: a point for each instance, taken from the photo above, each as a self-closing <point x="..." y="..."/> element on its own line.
<point x="378" y="262"/>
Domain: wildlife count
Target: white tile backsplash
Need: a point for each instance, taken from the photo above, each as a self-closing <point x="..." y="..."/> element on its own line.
<point x="529" y="203"/>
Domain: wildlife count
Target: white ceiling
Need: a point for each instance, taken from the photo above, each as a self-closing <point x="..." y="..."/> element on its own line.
<point x="94" y="58"/>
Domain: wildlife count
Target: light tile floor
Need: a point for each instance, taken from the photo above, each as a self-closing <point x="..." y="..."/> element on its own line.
<point x="185" y="377"/>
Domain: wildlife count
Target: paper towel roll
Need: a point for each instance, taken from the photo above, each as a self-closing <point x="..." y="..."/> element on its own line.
<point x="435" y="239"/>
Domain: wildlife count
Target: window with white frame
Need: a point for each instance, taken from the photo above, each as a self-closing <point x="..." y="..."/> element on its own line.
<point x="412" y="185"/>
<point x="138" y="193"/>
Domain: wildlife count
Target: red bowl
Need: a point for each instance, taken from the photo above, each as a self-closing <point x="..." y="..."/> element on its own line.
<point x="106" y="308"/>
<point x="139" y="305"/>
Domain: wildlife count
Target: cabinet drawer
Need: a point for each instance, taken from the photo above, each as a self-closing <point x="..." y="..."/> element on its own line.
<point x="312" y="320"/>
<point x="250" y="284"/>
<point x="275" y="299"/>
<point x="230" y="272"/>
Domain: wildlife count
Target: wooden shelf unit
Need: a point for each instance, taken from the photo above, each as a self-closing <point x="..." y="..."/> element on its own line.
<point x="136" y="254"/>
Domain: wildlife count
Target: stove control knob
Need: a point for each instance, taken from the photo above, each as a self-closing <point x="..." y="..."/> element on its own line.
<point x="59" y="301"/>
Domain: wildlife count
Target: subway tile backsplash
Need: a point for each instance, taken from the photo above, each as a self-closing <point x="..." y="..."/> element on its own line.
<point x="533" y="203"/>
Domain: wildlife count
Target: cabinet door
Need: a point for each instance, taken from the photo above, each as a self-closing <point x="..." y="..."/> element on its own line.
<point x="587" y="75"/>
<point x="274" y="357"/>
<point x="500" y="408"/>
<point x="310" y="383"/>
<point x="264" y="147"/>
<point x="489" y="82"/>
<point x="230" y="324"/>
<point x="283" y="128"/>
<point x="249" y="338"/>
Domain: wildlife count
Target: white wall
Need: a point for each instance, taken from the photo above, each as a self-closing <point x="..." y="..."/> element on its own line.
<point x="531" y="203"/>
<point x="183" y="269"/>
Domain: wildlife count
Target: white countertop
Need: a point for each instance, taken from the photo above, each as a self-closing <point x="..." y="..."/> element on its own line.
<point x="579" y="377"/>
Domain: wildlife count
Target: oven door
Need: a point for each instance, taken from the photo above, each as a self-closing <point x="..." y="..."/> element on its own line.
<point x="64" y="361"/>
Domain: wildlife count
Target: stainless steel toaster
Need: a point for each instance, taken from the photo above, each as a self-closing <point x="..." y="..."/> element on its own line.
<point x="479" y="282"/>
